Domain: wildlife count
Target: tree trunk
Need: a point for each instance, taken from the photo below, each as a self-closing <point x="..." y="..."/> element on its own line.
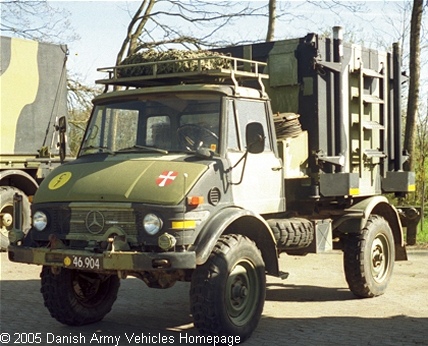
<point x="414" y="70"/>
<point x="271" y="24"/>
<point x="129" y="45"/>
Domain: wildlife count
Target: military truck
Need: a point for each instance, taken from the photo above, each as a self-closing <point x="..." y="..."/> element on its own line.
<point x="207" y="169"/>
<point x="33" y="92"/>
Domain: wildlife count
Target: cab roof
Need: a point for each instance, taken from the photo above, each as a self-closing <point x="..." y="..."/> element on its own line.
<point x="227" y="90"/>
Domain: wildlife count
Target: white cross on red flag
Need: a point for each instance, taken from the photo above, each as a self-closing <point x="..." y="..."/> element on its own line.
<point x="166" y="178"/>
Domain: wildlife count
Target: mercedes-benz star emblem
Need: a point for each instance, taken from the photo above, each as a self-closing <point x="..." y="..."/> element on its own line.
<point x="95" y="222"/>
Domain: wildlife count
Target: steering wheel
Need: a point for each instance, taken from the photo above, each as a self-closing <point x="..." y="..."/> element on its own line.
<point x="191" y="135"/>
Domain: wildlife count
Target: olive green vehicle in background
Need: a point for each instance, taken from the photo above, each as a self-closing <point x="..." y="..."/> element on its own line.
<point x="33" y="109"/>
<point x="208" y="174"/>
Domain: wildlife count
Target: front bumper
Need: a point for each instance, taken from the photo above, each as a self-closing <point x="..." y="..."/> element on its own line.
<point x="103" y="262"/>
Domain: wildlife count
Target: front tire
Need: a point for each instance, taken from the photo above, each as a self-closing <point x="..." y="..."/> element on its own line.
<point x="76" y="298"/>
<point x="369" y="258"/>
<point x="7" y="213"/>
<point x="228" y="292"/>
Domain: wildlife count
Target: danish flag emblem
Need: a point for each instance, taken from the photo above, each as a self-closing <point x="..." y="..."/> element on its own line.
<point x="166" y="178"/>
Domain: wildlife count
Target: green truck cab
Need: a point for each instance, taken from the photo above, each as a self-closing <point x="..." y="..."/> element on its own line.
<point x="192" y="176"/>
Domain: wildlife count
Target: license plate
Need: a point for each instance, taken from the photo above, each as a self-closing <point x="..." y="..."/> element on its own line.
<point x="83" y="262"/>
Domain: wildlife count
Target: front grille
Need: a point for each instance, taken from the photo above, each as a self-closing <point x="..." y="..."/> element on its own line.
<point x="102" y="220"/>
<point x="79" y="220"/>
<point x="80" y="223"/>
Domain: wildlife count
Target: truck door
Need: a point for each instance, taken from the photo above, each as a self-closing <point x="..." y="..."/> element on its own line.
<point x="256" y="180"/>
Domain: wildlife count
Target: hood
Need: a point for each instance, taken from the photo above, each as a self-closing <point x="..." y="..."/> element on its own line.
<point x="141" y="180"/>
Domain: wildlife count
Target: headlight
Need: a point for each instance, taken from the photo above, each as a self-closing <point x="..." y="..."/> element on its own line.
<point x="152" y="224"/>
<point x="40" y="220"/>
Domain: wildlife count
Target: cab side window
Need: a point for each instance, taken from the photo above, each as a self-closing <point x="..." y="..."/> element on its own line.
<point x="248" y="111"/>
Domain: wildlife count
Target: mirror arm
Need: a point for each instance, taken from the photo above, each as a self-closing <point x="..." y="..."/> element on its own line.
<point x="244" y="157"/>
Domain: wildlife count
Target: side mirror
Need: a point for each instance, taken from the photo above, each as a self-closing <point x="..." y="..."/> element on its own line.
<point x="255" y="138"/>
<point x="62" y="125"/>
<point x="62" y="129"/>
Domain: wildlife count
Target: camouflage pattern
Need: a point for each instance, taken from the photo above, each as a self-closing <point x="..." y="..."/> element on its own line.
<point x="31" y="89"/>
<point x="33" y="98"/>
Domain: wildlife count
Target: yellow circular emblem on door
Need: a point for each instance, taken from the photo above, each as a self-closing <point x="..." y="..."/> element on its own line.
<point x="59" y="180"/>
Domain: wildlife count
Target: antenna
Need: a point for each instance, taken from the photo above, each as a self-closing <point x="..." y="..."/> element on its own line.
<point x="185" y="176"/>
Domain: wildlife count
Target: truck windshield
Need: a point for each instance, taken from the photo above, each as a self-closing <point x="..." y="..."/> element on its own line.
<point x="160" y="124"/>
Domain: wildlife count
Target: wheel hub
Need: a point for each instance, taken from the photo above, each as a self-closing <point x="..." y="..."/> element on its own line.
<point x="242" y="292"/>
<point x="6" y="220"/>
<point x="85" y="288"/>
<point x="239" y="292"/>
<point x="379" y="259"/>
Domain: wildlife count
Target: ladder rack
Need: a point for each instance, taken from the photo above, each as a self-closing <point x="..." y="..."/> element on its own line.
<point x="371" y="115"/>
<point x="186" y="71"/>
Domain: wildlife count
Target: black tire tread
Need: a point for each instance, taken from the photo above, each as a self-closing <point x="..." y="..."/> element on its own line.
<point x="354" y="259"/>
<point x="293" y="233"/>
<point x="203" y="288"/>
<point x="58" y="299"/>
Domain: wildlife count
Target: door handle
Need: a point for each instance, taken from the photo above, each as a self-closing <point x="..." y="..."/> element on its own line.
<point x="277" y="168"/>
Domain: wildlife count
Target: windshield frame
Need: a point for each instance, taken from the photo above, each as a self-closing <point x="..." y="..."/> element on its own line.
<point x="195" y="106"/>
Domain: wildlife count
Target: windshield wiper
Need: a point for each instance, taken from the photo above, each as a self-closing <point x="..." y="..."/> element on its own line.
<point x="100" y="149"/>
<point x="146" y="148"/>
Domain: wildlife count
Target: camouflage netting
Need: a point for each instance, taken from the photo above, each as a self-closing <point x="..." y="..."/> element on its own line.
<point x="173" y="54"/>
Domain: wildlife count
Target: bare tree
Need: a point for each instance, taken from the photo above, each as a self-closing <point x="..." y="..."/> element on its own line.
<point x="272" y="21"/>
<point x="79" y="100"/>
<point x="201" y="24"/>
<point x="36" y="20"/>
<point x="135" y="28"/>
<point x="415" y="68"/>
<point x="421" y="159"/>
<point x="193" y="24"/>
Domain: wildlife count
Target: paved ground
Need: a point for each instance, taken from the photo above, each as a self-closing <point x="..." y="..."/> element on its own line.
<point x="312" y="307"/>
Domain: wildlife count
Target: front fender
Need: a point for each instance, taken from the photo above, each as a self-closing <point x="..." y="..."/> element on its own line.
<point x="236" y="220"/>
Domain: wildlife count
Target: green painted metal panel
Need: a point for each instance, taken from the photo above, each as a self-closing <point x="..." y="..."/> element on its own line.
<point x="141" y="180"/>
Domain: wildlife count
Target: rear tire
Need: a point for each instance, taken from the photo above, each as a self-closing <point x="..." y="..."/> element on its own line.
<point x="369" y="258"/>
<point x="228" y="292"/>
<point x="76" y="298"/>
